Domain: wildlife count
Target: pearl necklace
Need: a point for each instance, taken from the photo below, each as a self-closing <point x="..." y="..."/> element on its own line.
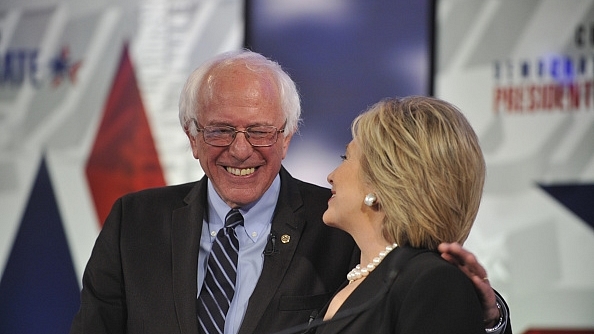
<point x="358" y="272"/>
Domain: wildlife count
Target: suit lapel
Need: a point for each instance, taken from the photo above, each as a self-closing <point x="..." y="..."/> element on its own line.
<point x="287" y="225"/>
<point x="185" y="242"/>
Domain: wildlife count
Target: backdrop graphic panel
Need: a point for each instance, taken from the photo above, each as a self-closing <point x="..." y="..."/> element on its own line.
<point x="39" y="292"/>
<point x="88" y="111"/>
<point x="123" y="158"/>
<point x="344" y="56"/>
<point x="523" y="73"/>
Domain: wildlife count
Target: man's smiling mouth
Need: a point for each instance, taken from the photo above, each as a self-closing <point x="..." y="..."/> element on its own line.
<point x="241" y="171"/>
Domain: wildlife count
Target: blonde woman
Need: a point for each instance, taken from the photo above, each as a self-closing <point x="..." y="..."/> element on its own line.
<point x="411" y="179"/>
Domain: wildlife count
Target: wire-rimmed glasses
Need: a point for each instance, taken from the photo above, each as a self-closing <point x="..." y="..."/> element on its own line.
<point x="257" y="135"/>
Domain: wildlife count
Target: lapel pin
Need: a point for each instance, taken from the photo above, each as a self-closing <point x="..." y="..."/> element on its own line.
<point x="285" y="238"/>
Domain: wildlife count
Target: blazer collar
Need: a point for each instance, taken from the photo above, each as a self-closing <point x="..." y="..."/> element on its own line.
<point x="185" y="243"/>
<point x="287" y="227"/>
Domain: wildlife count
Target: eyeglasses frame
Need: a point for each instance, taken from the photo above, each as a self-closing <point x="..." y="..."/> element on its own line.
<point x="245" y="133"/>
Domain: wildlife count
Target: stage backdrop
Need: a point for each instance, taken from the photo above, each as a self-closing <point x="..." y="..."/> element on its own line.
<point x="344" y="55"/>
<point x="523" y="73"/>
<point x="88" y="111"/>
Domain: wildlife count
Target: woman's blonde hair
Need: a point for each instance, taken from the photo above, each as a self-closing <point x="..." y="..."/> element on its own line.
<point x="423" y="159"/>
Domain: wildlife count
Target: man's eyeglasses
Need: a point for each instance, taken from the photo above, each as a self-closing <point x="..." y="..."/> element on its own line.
<point x="257" y="136"/>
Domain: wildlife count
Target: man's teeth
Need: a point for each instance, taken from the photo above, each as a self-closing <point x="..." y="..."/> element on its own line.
<point x="240" y="172"/>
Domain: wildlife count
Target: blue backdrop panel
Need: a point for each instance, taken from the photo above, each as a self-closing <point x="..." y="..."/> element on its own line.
<point x="39" y="292"/>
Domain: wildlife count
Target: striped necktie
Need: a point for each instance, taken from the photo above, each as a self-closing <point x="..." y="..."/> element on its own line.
<point x="219" y="282"/>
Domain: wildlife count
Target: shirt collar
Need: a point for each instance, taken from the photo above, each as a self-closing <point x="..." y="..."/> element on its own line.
<point x="256" y="215"/>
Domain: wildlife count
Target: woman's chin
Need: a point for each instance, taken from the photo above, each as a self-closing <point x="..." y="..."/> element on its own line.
<point x="326" y="218"/>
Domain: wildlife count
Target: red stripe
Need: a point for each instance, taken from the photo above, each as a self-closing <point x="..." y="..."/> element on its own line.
<point x="124" y="157"/>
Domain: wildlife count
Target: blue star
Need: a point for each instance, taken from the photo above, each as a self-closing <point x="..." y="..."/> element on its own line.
<point x="62" y="67"/>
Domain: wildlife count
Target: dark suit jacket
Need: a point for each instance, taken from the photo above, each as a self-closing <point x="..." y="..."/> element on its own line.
<point x="141" y="276"/>
<point x="411" y="291"/>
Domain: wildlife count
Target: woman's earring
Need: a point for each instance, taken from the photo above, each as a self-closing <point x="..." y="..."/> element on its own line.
<point x="370" y="199"/>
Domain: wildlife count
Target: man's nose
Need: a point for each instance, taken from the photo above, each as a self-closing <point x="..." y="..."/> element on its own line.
<point x="241" y="148"/>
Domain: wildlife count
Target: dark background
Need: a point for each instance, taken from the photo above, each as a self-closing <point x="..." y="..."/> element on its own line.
<point x="343" y="60"/>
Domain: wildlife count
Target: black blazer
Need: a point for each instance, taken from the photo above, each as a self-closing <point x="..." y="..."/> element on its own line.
<point x="141" y="276"/>
<point x="411" y="291"/>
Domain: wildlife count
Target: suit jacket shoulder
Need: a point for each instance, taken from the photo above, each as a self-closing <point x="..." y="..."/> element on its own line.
<point x="141" y="275"/>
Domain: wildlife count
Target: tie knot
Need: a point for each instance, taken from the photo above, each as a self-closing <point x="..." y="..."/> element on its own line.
<point x="233" y="219"/>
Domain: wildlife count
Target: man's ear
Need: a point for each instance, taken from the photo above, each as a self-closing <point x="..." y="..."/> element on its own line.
<point x="286" y="142"/>
<point x="193" y="143"/>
